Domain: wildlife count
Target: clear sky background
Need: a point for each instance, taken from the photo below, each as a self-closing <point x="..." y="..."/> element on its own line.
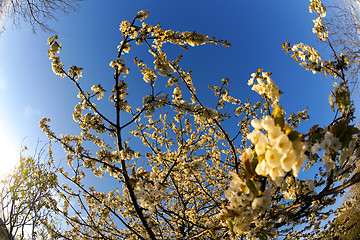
<point x="256" y="29"/>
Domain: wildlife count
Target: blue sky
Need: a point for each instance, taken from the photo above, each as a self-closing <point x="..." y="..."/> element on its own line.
<point x="256" y="29"/>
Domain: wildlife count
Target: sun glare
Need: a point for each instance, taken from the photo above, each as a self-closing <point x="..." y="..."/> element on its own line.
<point x="9" y="152"/>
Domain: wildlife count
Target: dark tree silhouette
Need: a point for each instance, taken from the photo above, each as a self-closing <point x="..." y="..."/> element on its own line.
<point x="36" y="12"/>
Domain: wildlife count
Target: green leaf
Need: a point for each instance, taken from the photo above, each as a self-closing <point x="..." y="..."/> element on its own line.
<point x="338" y="127"/>
<point x="247" y="166"/>
<point x="231" y="226"/>
<point x="315" y="133"/>
<point x="281" y="206"/>
<point x="254" y="162"/>
<point x="278" y="116"/>
<point x="343" y="102"/>
<point x="294" y="135"/>
<point x="262" y="236"/>
<point x="346" y="134"/>
<point x="313" y="129"/>
<point x="250" y="166"/>
<point x="253" y="188"/>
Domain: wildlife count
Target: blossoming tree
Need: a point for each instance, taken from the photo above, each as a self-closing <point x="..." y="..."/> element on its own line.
<point x="193" y="179"/>
<point x="346" y="223"/>
<point x="25" y="199"/>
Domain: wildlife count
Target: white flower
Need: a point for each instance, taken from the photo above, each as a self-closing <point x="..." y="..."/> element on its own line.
<point x="326" y="143"/>
<point x="262" y="168"/>
<point x="288" y="161"/>
<point x="274" y="132"/>
<point x="273" y="157"/>
<point x="268" y="123"/>
<point x="310" y="184"/>
<point x="309" y="56"/>
<point x="256" y="123"/>
<point x="317" y="7"/>
<point x="276" y="172"/>
<point x="283" y="144"/>
<point x="142" y="15"/>
<point x="257" y="203"/>
<point x="261" y="145"/>
<point x="329" y="165"/>
<point x="254" y="136"/>
<point x="177" y="93"/>
<point x="259" y="88"/>
<point x="296" y="168"/>
<point x="315" y="148"/>
<point x="265" y="86"/>
<point x="275" y="151"/>
<point x="330" y="142"/>
<point x="247" y="155"/>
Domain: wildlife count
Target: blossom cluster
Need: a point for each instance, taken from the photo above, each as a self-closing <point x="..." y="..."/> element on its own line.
<point x="161" y="63"/>
<point x="265" y="86"/>
<point x="151" y="103"/>
<point x="244" y="208"/>
<point x="275" y="152"/>
<point x="318" y="7"/>
<point x="330" y="143"/>
<point x="120" y="93"/>
<point x="149" y="194"/>
<point x="119" y="66"/>
<point x="98" y="90"/>
<point x="223" y="94"/>
<point x="309" y="57"/>
<point x="347" y="154"/>
<point x="57" y="65"/>
<point x="292" y="188"/>
<point x="296" y="119"/>
<point x="142" y="15"/>
<point x="189" y="154"/>
<point x="200" y="113"/>
<point x="43" y="125"/>
<point x="341" y="97"/>
<point x="149" y="75"/>
<point x="75" y="72"/>
<point x="163" y="36"/>
<point x="319" y="28"/>
<point x="127" y="29"/>
<point x="177" y="93"/>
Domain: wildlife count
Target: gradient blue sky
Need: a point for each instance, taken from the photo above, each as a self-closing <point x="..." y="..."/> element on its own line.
<point x="256" y="29"/>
